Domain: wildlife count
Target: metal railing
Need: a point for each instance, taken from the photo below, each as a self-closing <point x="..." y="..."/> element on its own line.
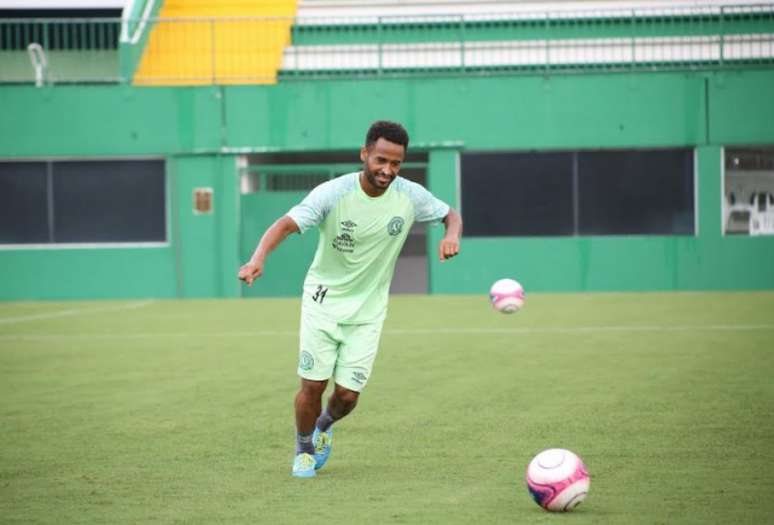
<point x="76" y="50"/>
<point x="92" y="50"/>
<point x="552" y="42"/>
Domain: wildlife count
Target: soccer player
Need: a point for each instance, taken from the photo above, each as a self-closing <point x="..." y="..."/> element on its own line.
<point x="364" y="218"/>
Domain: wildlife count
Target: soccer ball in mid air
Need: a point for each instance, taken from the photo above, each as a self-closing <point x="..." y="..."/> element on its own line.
<point x="507" y="296"/>
<point x="557" y="479"/>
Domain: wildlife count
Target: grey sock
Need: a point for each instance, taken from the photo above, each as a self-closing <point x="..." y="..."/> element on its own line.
<point x="304" y="443"/>
<point x="325" y="421"/>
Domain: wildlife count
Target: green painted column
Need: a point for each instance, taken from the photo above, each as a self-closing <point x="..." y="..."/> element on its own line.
<point x="206" y="244"/>
<point x="194" y="234"/>
<point x="228" y="216"/>
<point x="709" y="163"/>
<point x="442" y="180"/>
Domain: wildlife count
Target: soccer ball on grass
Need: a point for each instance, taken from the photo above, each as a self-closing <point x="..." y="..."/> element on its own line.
<point x="507" y="296"/>
<point x="558" y="480"/>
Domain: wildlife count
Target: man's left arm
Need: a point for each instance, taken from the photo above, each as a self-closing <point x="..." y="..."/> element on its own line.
<point x="450" y="244"/>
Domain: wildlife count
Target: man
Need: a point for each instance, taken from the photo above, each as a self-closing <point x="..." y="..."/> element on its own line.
<point x="364" y="218"/>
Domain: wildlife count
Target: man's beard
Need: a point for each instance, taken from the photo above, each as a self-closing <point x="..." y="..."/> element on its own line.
<point x="371" y="176"/>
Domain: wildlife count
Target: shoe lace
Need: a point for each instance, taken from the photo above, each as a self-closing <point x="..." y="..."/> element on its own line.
<point x="305" y="461"/>
<point x="323" y="440"/>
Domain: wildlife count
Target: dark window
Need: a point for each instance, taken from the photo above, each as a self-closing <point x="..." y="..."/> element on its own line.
<point x="626" y="192"/>
<point x="23" y="202"/>
<point x="517" y="194"/>
<point x="82" y="202"/>
<point x="636" y="192"/>
<point x="109" y="201"/>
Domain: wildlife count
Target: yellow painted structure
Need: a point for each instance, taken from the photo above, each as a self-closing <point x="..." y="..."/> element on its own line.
<point x="196" y="42"/>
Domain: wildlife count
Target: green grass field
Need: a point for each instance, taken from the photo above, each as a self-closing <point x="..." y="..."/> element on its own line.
<point x="172" y="411"/>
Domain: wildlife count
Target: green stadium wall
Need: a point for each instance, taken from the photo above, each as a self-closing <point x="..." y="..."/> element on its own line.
<point x="200" y="130"/>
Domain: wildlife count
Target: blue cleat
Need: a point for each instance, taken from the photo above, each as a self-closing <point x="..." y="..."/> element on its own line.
<point x="303" y="466"/>
<point x="323" y="441"/>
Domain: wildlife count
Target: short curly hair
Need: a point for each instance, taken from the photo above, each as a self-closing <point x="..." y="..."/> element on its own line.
<point x="391" y="131"/>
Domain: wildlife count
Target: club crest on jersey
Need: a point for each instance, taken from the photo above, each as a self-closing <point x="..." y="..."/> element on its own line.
<point x="307" y="361"/>
<point x="395" y="226"/>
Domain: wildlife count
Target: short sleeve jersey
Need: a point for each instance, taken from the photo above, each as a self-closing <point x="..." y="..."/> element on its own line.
<point x="360" y="239"/>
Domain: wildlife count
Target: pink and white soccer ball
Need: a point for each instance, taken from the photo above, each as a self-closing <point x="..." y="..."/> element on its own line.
<point x="507" y="296"/>
<point x="558" y="480"/>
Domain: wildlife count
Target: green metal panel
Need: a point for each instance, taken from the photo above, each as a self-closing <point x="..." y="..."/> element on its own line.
<point x="485" y="113"/>
<point x="108" y="120"/>
<point x="613" y="264"/>
<point x="741" y="107"/>
<point x="102" y="273"/>
<point x="313" y="116"/>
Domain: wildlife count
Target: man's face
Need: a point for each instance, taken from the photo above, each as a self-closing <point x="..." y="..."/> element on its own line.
<point x="381" y="163"/>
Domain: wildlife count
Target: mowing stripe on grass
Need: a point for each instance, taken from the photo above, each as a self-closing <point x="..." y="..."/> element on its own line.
<point x="76" y="311"/>
<point x="415" y="331"/>
<point x="584" y="329"/>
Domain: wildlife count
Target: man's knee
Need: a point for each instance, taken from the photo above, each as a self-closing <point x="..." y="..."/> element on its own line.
<point x="311" y="388"/>
<point x="346" y="396"/>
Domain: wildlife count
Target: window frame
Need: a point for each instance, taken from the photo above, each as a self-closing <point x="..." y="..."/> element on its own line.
<point x="574" y="183"/>
<point x="98" y="245"/>
<point x="724" y="207"/>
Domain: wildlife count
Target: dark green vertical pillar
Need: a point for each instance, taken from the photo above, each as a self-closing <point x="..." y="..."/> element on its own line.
<point x="206" y="244"/>
<point x="709" y="171"/>
<point x="443" y="181"/>
<point x="228" y="217"/>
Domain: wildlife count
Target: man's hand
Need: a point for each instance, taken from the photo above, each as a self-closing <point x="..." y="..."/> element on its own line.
<point x="276" y="233"/>
<point x="449" y="247"/>
<point x="450" y="244"/>
<point x="250" y="271"/>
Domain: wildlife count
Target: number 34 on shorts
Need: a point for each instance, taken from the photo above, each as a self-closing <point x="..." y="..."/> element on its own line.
<point x="319" y="294"/>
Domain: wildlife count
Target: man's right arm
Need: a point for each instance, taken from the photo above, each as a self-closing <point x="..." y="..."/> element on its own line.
<point x="276" y="233"/>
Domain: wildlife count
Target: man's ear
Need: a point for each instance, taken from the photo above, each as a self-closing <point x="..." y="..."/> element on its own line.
<point x="363" y="153"/>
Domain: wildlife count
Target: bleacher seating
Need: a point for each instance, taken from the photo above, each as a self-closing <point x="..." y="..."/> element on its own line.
<point x="187" y="47"/>
<point x="334" y="37"/>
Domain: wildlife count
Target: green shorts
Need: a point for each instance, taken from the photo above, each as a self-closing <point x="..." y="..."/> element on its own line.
<point x="345" y="352"/>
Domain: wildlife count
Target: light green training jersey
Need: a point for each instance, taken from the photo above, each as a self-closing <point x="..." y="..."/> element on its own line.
<point x="360" y="239"/>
